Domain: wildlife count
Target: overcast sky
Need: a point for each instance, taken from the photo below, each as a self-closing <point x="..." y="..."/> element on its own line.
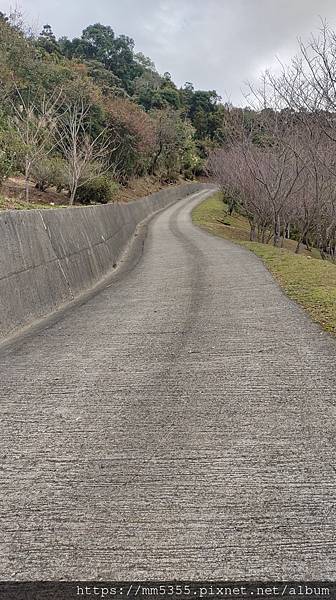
<point x="216" y="44"/>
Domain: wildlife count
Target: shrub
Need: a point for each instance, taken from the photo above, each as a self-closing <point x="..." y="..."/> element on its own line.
<point x="5" y="166"/>
<point x="8" y="154"/>
<point x="50" y="172"/>
<point x="99" y="190"/>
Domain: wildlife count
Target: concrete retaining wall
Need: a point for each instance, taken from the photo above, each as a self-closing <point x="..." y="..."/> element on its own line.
<point x="50" y="257"/>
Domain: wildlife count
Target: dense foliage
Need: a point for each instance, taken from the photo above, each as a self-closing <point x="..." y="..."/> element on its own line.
<point x="91" y="107"/>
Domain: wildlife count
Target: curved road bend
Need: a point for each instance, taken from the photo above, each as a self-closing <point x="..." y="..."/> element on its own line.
<point x="180" y="424"/>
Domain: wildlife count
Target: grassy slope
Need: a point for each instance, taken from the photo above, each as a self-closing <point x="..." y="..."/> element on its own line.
<point x="17" y="204"/>
<point x="309" y="281"/>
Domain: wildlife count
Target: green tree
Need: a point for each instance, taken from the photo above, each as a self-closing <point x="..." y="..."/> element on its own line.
<point x="99" y="42"/>
<point x="47" y="41"/>
<point x="175" y="151"/>
<point x="8" y="149"/>
<point x="203" y="109"/>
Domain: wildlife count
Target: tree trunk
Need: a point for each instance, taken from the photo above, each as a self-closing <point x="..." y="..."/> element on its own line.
<point x="306" y="243"/>
<point x="252" y="232"/>
<point x="276" y="231"/>
<point x="155" y="160"/>
<point x="27" y="169"/>
<point x="72" y="195"/>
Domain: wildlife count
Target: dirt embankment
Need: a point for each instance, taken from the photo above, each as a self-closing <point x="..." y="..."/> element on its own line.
<point x="12" y="193"/>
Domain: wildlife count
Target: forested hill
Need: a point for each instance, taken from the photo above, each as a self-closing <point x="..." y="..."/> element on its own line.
<point x="131" y="120"/>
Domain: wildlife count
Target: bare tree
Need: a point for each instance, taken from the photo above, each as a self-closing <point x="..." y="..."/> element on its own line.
<point x="287" y="140"/>
<point x="261" y="159"/>
<point x="86" y="155"/>
<point x="34" y="122"/>
<point x="307" y="88"/>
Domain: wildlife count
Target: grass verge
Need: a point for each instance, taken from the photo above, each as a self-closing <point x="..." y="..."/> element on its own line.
<point x="305" y="278"/>
<point x="15" y="204"/>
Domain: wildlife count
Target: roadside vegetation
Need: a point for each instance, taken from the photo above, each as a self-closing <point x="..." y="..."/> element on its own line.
<point x="90" y="120"/>
<point x="276" y="169"/>
<point x="84" y="120"/>
<point x="17" y="204"/>
<point x="306" y="278"/>
<point x="278" y="162"/>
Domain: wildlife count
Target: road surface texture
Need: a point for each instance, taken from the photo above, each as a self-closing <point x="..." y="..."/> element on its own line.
<point x="179" y="424"/>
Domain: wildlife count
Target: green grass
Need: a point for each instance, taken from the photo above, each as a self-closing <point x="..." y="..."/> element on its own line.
<point x="308" y="280"/>
<point x="15" y="204"/>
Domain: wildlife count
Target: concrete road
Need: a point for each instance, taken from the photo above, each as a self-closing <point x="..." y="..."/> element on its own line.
<point x="179" y="424"/>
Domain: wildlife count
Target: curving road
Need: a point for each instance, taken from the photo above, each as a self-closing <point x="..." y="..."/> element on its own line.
<point x="179" y="424"/>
